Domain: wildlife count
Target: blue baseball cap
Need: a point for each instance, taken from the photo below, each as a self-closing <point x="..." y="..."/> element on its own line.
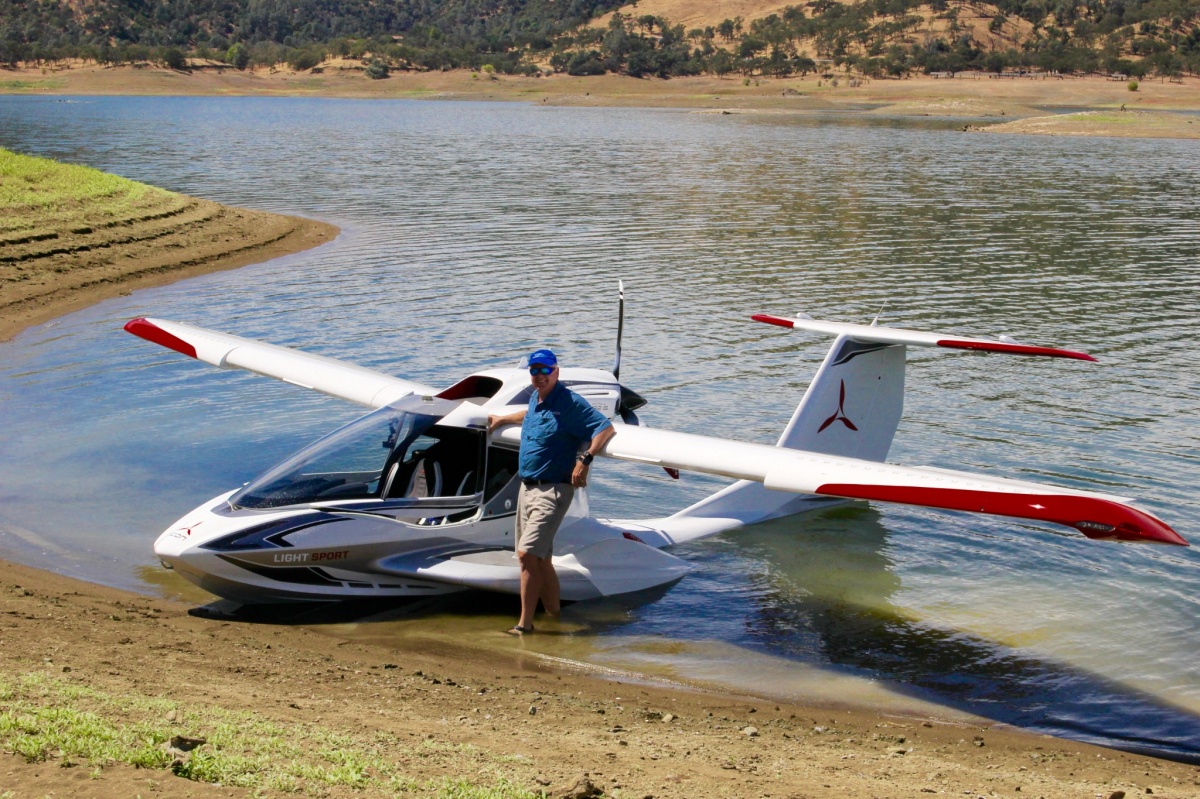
<point x="543" y="357"/>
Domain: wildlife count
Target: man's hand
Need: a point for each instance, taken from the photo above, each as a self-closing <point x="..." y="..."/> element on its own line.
<point x="580" y="473"/>
<point x="499" y="421"/>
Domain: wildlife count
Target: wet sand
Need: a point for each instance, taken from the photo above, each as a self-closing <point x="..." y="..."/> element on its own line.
<point x="488" y="712"/>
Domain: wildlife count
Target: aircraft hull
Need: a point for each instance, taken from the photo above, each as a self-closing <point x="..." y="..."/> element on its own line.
<point x="309" y="555"/>
<point x="320" y="555"/>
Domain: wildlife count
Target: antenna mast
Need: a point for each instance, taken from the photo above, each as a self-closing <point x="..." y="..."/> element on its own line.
<point x="620" y="327"/>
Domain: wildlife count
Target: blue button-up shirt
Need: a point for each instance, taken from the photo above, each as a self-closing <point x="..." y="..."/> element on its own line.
<point x="552" y="432"/>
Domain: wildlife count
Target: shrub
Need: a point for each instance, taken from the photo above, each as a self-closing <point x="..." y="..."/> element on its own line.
<point x="377" y="69"/>
<point x="173" y="57"/>
<point x="585" y="63"/>
<point x="305" y="60"/>
<point x="1133" y="85"/>
<point x="238" y="56"/>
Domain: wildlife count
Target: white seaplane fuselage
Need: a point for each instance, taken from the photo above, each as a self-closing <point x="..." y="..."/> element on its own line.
<point x="432" y="512"/>
<point x="417" y="498"/>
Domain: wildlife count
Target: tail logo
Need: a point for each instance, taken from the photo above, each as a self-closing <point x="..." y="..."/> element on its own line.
<point x="840" y="414"/>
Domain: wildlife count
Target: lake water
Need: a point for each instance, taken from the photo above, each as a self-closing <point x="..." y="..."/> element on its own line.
<point x="474" y="232"/>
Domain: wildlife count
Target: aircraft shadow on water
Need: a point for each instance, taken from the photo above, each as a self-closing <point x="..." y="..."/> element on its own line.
<point x="822" y="596"/>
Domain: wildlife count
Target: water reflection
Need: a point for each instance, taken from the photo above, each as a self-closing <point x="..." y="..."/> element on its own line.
<point x="827" y="596"/>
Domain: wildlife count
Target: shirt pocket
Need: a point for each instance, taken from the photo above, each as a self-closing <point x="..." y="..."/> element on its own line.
<point x="544" y="427"/>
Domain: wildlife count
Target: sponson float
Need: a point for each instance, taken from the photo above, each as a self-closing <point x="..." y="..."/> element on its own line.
<point x="416" y="498"/>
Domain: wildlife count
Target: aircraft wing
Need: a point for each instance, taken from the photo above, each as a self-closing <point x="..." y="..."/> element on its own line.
<point x="327" y="375"/>
<point x="1099" y="516"/>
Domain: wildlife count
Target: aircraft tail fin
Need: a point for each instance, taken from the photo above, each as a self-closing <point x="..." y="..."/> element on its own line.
<point x="852" y="408"/>
<point x="853" y="405"/>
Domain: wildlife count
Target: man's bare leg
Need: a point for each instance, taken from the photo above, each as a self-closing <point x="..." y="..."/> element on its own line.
<point x="531" y="587"/>
<point x="550" y="588"/>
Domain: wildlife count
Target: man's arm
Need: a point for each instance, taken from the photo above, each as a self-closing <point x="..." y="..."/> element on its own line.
<point x="579" y="475"/>
<point x="511" y="418"/>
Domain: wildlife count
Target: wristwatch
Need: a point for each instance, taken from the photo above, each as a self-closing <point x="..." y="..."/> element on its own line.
<point x="586" y="458"/>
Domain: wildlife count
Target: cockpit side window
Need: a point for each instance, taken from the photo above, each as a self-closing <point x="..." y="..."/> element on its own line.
<point x="441" y="462"/>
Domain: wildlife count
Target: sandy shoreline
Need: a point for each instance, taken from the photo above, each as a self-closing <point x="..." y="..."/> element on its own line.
<point x="45" y="280"/>
<point x="1162" y="104"/>
<point x="493" y="713"/>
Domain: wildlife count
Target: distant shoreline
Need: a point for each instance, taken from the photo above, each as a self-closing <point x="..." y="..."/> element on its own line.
<point x="980" y="98"/>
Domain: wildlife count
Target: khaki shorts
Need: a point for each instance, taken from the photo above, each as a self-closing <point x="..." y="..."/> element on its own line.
<point x="540" y="510"/>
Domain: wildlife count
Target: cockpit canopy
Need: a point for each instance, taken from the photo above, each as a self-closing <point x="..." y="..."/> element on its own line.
<point x="399" y="454"/>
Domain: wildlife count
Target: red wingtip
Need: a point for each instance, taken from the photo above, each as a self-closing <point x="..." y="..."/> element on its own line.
<point x="1095" y="518"/>
<point x="144" y="328"/>
<point x="773" y="320"/>
<point x="1013" y="349"/>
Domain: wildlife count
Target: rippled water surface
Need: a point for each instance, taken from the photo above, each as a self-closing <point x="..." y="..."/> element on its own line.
<point x="474" y="232"/>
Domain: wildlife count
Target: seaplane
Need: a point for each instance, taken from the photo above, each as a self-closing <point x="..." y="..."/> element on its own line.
<point x="417" y="498"/>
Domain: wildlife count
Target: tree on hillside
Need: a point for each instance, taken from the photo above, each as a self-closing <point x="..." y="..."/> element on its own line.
<point x="238" y="56"/>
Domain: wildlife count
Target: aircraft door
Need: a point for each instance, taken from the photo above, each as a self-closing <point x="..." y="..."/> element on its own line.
<point x="501" y="484"/>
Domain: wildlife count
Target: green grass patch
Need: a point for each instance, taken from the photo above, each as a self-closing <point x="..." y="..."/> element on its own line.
<point x="39" y="195"/>
<point x="31" y="85"/>
<point x="1100" y="118"/>
<point x="28" y="181"/>
<point x="45" y="719"/>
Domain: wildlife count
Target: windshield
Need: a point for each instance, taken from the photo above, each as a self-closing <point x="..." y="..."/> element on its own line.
<point x="347" y="464"/>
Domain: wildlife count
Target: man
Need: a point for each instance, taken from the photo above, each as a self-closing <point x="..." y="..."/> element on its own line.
<point x="553" y="427"/>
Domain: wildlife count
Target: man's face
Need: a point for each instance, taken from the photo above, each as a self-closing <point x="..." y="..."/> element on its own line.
<point x="543" y="382"/>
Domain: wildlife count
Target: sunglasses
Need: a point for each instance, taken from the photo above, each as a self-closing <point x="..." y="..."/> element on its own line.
<point x="541" y="370"/>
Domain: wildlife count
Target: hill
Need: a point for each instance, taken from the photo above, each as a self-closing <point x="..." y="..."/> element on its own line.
<point x="586" y="37"/>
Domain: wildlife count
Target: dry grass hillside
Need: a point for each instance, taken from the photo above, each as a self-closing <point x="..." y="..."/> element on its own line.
<point x="959" y="18"/>
<point x="701" y="13"/>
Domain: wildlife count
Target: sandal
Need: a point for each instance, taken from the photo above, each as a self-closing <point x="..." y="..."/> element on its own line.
<point x="517" y="629"/>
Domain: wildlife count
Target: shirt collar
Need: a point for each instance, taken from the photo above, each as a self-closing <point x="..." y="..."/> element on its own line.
<point x="554" y="392"/>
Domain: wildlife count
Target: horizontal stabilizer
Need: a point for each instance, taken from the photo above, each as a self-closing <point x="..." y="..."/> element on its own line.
<point x="894" y="335"/>
<point x="327" y="375"/>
